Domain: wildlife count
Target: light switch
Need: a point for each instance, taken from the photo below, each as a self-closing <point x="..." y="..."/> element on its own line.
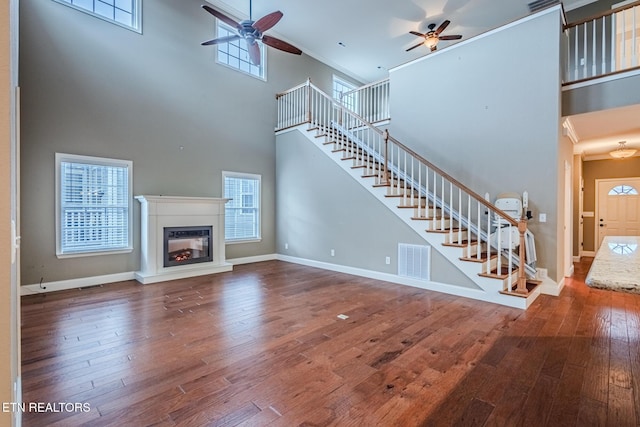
<point x="542" y="217"/>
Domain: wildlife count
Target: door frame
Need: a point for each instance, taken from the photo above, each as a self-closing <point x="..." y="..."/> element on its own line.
<point x="596" y="232"/>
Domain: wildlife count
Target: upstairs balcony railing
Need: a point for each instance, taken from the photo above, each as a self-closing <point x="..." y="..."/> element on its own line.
<point x="371" y="101"/>
<point x="453" y="209"/>
<point x="603" y="45"/>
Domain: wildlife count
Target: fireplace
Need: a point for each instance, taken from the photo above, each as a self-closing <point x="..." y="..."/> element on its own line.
<point x="187" y="245"/>
<point x="180" y="237"/>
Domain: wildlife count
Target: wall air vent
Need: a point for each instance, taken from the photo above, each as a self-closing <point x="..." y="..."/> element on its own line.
<point x="537" y="5"/>
<point x="414" y="261"/>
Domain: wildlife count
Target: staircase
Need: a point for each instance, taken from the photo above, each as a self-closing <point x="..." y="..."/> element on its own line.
<point x="450" y="217"/>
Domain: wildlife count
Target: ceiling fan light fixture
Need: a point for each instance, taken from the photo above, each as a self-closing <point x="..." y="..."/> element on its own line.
<point x="430" y="41"/>
<point x="622" y="151"/>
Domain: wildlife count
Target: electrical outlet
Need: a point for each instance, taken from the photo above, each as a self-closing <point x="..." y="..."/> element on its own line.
<point x="333" y="252"/>
<point x="286" y="246"/>
<point x="387" y="260"/>
<point x="542" y="217"/>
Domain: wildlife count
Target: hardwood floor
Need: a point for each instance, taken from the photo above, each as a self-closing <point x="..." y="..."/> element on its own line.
<point x="263" y="345"/>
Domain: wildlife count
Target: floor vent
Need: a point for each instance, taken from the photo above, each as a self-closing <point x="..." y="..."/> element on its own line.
<point x="541" y="4"/>
<point x="414" y="261"/>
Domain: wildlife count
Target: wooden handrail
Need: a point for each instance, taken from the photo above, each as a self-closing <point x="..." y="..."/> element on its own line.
<point x="418" y="157"/>
<point x="603" y="14"/>
<point x="293" y="89"/>
<point x="367" y="86"/>
<point x="458" y="184"/>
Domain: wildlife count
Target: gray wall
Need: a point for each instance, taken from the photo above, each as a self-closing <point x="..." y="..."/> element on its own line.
<point x="601" y="96"/>
<point x="320" y="207"/>
<point x="488" y="112"/>
<point x="92" y="88"/>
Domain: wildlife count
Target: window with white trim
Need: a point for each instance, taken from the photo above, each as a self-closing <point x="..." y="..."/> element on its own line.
<point x="126" y="13"/>
<point x="93" y="205"/>
<point x="340" y="87"/>
<point x="242" y="212"/>
<point x="234" y="54"/>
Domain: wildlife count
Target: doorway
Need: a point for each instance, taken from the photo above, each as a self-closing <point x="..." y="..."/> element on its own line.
<point x="617" y="208"/>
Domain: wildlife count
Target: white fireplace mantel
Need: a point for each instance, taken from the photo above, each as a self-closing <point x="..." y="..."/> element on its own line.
<point x="158" y="212"/>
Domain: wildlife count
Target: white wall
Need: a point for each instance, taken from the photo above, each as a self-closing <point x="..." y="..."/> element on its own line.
<point x="487" y="111"/>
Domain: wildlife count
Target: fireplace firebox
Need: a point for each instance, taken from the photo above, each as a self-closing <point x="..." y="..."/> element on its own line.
<point x="187" y="245"/>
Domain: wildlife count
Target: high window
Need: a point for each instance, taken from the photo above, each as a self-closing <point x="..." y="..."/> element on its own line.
<point x="342" y="87"/>
<point x="93" y="205"/>
<point x="126" y="13"/>
<point x="234" y="54"/>
<point x="242" y="212"/>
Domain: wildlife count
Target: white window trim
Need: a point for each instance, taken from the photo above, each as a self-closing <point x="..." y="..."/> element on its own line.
<point x="247" y="176"/>
<point x="263" y="52"/>
<point x="62" y="157"/>
<point x="346" y="83"/>
<point x="137" y="16"/>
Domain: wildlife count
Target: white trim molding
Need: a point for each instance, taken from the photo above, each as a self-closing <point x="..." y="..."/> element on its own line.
<point x="82" y="282"/>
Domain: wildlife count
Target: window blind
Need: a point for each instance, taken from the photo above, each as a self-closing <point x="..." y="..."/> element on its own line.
<point x="94" y="207"/>
<point x="242" y="213"/>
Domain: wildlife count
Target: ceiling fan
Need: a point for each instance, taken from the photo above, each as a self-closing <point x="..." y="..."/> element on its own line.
<point x="432" y="37"/>
<point x="252" y="32"/>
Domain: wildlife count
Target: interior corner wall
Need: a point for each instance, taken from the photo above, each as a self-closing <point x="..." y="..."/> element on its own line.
<point x="577" y="205"/>
<point x="7" y="302"/>
<point x="320" y="207"/>
<point x="487" y="111"/>
<point x="157" y="98"/>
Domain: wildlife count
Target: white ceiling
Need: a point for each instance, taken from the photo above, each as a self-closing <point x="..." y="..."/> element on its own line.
<point x="365" y="38"/>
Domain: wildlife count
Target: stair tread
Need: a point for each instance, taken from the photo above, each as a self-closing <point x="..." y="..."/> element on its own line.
<point x="446" y="230"/>
<point x="461" y="244"/>
<point x="483" y="257"/>
<point x="531" y="286"/>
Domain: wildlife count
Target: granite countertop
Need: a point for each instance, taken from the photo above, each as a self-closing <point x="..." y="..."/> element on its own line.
<point x="616" y="265"/>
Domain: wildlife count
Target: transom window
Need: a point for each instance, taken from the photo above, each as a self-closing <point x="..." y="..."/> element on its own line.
<point x="623" y="190"/>
<point x="234" y="54"/>
<point x="126" y="13"/>
<point x="242" y="212"/>
<point x="93" y="205"/>
<point x="340" y="87"/>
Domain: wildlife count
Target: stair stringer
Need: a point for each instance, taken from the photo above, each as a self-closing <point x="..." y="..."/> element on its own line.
<point x="489" y="288"/>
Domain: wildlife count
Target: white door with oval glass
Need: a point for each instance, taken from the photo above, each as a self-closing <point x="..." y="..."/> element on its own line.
<point x="617" y="208"/>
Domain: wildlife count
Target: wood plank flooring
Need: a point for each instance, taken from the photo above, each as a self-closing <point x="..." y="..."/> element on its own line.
<point x="263" y="345"/>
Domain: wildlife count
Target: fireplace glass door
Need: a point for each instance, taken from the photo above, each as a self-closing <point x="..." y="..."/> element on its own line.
<point x="187" y="245"/>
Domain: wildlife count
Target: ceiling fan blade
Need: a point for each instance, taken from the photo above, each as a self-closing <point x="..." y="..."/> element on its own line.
<point x="415" y="33"/>
<point x="221" y="16"/>
<point x="254" y="52"/>
<point x="413" y="47"/>
<point x="267" y="21"/>
<point x="456" y="37"/>
<point x="442" y="26"/>
<point x="220" y="40"/>
<point x="280" y="44"/>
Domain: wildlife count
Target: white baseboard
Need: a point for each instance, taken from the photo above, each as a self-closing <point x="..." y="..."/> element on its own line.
<point x="576" y="259"/>
<point x="477" y="294"/>
<point x="75" y="283"/>
<point x="252" y="259"/>
<point x="589" y="253"/>
<point x="549" y="287"/>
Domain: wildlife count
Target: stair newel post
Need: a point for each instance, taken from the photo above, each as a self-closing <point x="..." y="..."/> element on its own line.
<point x="385" y="135"/>
<point x="309" y="100"/>
<point x="522" y="279"/>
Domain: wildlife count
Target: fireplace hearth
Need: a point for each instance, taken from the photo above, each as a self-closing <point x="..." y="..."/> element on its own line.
<point x="180" y="237"/>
